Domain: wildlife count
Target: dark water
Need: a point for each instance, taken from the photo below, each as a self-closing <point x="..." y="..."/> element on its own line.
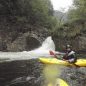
<point x="20" y="73"/>
<point x="29" y="73"/>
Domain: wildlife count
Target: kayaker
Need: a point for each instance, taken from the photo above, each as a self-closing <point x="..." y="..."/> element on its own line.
<point x="70" y="55"/>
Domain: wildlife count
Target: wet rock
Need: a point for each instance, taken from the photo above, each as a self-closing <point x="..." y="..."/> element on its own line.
<point x="3" y="45"/>
<point x="74" y="76"/>
<point x="20" y="73"/>
<point x="26" y="81"/>
<point x="25" y="42"/>
<point x="22" y="81"/>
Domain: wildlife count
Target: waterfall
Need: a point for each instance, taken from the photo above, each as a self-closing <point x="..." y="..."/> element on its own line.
<point x="48" y="44"/>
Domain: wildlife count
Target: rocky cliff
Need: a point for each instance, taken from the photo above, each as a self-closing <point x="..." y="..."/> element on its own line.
<point x="78" y="43"/>
<point x="20" y="36"/>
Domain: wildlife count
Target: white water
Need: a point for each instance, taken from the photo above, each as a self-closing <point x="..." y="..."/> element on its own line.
<point x="43" y="50"/>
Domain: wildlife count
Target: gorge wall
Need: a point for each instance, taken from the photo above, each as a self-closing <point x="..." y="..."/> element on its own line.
<point x="17" y="36"/>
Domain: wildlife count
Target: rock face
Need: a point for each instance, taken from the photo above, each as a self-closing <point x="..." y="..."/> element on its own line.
<point x="23" y="37"/>
<point x="25" y="42"/>
<point x="82" y="42"/>
<point x="22" y="40"/>
<point x="78" y="43"/>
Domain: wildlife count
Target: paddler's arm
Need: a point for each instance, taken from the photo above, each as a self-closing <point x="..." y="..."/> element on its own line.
<point x="53" y="53"/>
<point x="56" y="54"/>
<point x="59" y="53"/>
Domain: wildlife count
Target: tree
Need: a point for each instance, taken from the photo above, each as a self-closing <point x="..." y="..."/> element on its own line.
<point x="78" y="11"/>
<point x="34" y="12"/>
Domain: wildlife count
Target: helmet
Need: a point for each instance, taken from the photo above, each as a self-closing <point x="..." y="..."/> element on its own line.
<point x="68" y="46"/>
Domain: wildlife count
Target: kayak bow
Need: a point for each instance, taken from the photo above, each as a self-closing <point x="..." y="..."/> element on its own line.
<point x="59" y="82"/>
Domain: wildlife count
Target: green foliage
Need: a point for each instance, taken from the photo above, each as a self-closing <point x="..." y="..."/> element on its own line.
<point x="34" y="12"/>
<point x="77" y="18"/>
<point x="76" y="23"/>
<point x="78" y="12"/>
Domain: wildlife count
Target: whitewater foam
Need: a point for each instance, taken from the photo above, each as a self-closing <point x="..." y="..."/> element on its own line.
<point x="43" y="50"/>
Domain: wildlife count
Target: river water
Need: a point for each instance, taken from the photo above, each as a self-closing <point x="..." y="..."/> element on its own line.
<point x="24" y="69"/>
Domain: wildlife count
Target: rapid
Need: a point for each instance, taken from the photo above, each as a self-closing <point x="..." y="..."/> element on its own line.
<point x="43" y="50"/>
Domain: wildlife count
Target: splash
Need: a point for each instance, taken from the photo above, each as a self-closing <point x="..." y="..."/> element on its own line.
<point x="48" y="44"/>
<point x="43" y="50"/>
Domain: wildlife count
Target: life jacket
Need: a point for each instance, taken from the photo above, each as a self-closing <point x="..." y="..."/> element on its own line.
<point x="69" y="55"/>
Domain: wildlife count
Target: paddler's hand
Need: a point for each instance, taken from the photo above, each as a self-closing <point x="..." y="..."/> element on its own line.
<point x="53" y="53"/>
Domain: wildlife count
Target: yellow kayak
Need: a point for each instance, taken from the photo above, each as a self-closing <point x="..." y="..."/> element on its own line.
<point x="59" y="82"/>
<point x="51" y="60"/>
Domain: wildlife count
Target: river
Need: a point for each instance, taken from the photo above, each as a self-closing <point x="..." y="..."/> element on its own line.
<point x="24" y="68"/>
